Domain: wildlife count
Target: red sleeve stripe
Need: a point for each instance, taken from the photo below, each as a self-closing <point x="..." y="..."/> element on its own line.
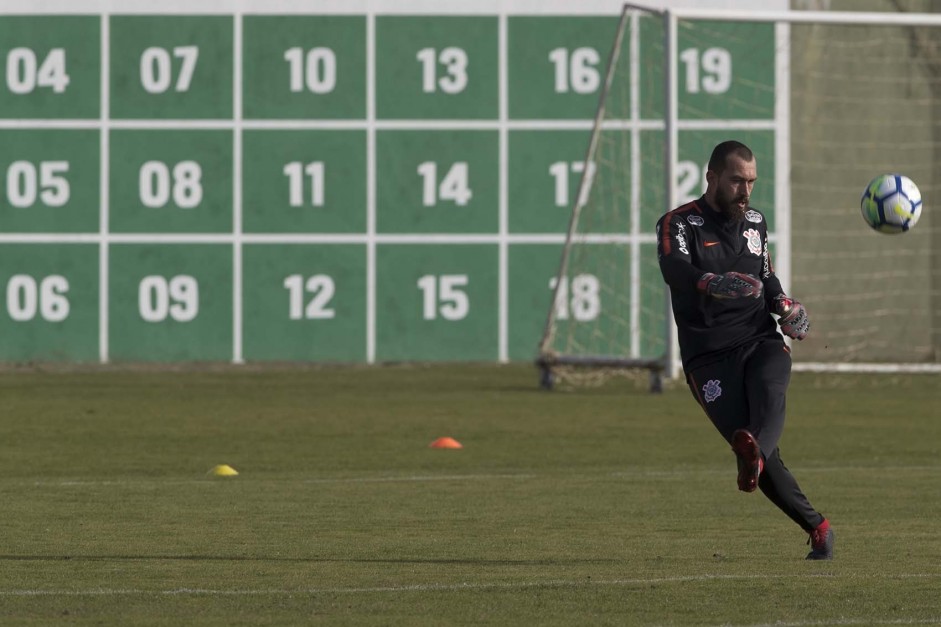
<point x="665" y="244"/>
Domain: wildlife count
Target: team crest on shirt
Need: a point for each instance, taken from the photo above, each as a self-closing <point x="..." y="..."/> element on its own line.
<point x="711" y="391"/>
<point x="694" y="220"/>
<point x="753" y="237"/>
<point x="753" y="216"/>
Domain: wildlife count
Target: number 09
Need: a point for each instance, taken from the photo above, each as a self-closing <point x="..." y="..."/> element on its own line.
<point x="159" y="298"/>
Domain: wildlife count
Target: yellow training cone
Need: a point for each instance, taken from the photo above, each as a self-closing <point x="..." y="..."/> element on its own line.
<point x="223" y="470"/>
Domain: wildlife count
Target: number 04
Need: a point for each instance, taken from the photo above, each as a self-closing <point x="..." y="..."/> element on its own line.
<point x="25" y="73"/>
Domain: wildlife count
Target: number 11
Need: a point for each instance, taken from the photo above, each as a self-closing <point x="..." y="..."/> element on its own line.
<point x="295" y="172"/>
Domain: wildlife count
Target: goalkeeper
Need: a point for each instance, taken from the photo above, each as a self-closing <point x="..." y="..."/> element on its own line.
<point x="714" y="256"/>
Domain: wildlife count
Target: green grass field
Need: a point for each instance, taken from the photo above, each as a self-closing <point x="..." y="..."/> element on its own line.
<point x="600" y="506"/>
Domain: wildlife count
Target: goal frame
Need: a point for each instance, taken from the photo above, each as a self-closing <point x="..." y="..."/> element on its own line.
<point x="669" y="366"/>
<point x="547" y="359"/>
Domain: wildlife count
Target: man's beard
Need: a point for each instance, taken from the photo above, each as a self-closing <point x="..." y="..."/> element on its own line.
<point x="728" y="206"/>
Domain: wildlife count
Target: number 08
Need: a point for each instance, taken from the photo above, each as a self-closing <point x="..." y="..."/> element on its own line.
<point x="156" y="184"/>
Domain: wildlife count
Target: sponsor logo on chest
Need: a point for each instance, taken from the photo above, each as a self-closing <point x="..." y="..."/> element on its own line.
<point x="753" y="216"/>
<point x="681" y="239"/>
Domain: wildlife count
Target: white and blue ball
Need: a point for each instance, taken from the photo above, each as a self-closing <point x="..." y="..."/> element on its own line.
<point x="891" y="203"/>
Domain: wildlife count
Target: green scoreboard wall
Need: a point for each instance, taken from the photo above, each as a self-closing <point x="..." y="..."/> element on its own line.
<point x="307" y="187"/>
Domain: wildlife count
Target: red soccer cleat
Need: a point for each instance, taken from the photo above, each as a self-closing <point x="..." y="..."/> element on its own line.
<point x="821" y="542"/>
<point x="750" y="464"/>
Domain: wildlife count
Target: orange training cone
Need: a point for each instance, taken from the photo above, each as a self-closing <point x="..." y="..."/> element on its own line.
<point x="446" y="443"/>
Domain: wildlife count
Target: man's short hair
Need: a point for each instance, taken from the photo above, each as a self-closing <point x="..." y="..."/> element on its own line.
<point x="720" y="154"/>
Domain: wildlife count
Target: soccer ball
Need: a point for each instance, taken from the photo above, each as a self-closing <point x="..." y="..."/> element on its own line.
<point x="891" y="203"/>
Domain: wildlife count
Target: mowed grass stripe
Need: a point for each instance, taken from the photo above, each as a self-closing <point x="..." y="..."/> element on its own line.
<point x="458" y="587"/>
<point x="621" y="474"/>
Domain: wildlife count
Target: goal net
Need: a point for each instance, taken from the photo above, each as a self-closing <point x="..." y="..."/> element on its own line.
<point x="826" y="100"/>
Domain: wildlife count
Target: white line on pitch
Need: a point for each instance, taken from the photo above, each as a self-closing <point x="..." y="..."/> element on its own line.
<point x="458" y="587"/>
<point x="421" y="478"/>
<point x="685" y="472"/>
<point x="846" y="621"/>
<point x="621" y="474"/>
<point x="208" y="482"/>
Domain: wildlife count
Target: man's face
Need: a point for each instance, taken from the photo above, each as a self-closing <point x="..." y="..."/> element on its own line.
<point x="733" y="186"/>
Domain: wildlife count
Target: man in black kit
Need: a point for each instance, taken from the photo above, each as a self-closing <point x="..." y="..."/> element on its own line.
<point x="714" y="256"/>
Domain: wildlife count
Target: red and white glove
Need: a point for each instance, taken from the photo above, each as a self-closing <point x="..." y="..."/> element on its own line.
<point x="793" y="317"/>
<point x="730" y="285"/>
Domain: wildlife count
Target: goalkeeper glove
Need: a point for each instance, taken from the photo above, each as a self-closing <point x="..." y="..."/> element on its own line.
<point x="730" y="285"/>
<point x="793" y="317"/>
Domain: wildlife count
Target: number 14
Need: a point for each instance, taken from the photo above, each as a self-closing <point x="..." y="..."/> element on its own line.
<point x="453" y="186"/>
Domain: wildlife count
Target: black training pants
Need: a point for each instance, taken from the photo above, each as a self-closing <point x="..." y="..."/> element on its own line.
<point x="746" y="389"/>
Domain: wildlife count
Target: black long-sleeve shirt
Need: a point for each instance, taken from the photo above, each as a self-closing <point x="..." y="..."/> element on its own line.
<point x="694" y="239"/>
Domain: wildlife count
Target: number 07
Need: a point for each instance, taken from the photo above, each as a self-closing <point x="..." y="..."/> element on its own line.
<point x="156" y="68"/>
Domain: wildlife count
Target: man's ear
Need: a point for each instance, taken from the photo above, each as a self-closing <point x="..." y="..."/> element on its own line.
<point x="711" y="178"/>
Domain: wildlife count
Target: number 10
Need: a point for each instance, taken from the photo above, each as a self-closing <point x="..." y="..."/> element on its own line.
<point x="317" y="70"/>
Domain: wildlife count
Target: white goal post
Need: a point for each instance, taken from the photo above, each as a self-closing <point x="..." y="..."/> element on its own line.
<point x="827" y="100"/>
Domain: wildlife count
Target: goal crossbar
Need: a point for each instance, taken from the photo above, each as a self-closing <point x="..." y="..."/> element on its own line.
<point x="805" y="17"/>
